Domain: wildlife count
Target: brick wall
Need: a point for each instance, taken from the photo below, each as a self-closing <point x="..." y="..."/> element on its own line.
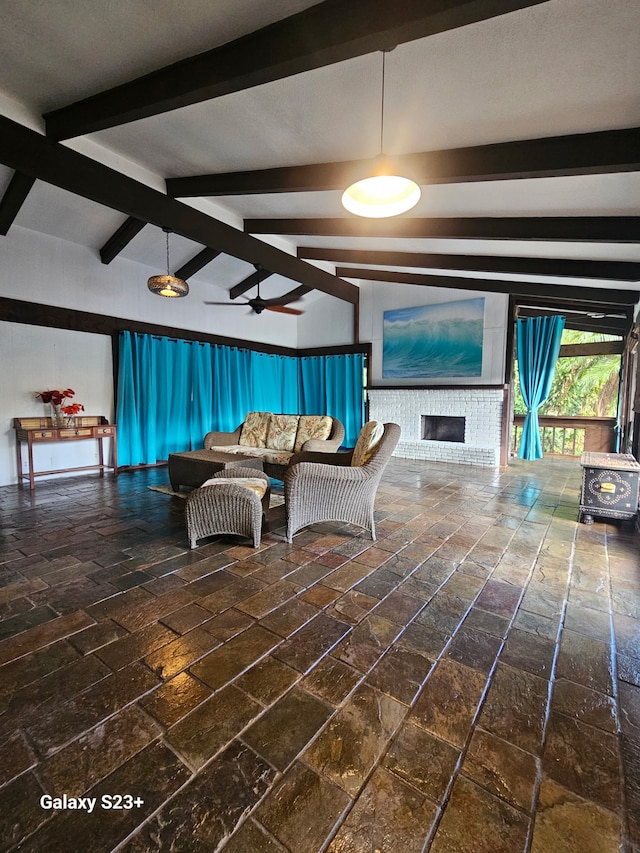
<point x="481" y="408"/>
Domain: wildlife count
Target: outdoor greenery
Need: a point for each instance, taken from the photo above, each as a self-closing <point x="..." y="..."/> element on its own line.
<point x="582" y="385"/>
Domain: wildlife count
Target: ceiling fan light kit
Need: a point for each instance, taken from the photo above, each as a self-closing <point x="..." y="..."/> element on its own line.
<point x="167" y="285"/>
<point x="383" y="193"/>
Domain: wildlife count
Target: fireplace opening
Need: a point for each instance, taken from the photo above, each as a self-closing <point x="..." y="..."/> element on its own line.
<point x="443" y="428"/>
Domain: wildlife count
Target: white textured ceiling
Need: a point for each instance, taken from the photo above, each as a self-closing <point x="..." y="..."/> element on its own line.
<point x="565" y="66"/>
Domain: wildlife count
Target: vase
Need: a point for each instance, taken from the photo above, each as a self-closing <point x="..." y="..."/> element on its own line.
<point x="57" y="417"/>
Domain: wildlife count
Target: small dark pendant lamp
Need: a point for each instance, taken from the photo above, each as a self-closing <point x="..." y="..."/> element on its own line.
<point x="167" y="285"/>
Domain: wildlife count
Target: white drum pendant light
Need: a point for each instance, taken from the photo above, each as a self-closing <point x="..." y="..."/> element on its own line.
<point x="382" y="193"/>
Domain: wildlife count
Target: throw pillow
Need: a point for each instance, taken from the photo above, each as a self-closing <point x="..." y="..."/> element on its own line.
<point x="368" y="440"/>
<point x="282" y="432"/>
<point x="254" y="429"/>
<point x="317" y="427"/>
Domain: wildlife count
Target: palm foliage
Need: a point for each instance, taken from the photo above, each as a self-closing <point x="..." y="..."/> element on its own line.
<point x="582" y="385"/>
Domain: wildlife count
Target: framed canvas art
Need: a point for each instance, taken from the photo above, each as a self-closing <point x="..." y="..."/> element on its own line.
<point x="434" y="341"/>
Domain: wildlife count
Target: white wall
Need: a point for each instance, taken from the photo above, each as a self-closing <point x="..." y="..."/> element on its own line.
<point x="378" y="297"/>
<point x="37" y="358"/>
<point x="326" y="321"/>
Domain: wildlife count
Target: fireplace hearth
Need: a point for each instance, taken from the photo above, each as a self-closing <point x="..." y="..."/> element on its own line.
<point x="442" y="428"/>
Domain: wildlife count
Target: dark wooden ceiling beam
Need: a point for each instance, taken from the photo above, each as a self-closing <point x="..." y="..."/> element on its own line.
<point x="582" y="322"/>
<point x="197" y="263"/>
<point x="575" y="154"/>
<point x="615" y="270"/>
<point x="594" y="296"/>
<point x="246" y="284"/>
<point x="121" y="238"/>
<point x="324" y="34"/>
<point x="36" y="155"/>
<point x="603" y="229"/>
<point x="13" y="199"/>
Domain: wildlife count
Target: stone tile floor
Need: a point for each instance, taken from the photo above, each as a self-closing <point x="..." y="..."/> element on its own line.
<point x="470" y="682"/>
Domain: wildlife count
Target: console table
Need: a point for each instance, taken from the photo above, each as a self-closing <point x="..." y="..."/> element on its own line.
<point x="35" y="431"/>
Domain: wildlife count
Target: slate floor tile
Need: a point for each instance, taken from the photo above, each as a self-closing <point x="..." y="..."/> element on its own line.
<point x="472" y="817"/>
<point x="226" y="662"/>
<point x="207" y="810"/>
<point x="355" y="738"/>
<point x="175" y="698"/>
<point x="448" y="701"/>
<point x="423" y="761"/>
<point x="583" y="759"/>
<point x="213" y="724"/>
<point x="303" y="809"/>
<point x="267" y="680"/>
<point x="79" y="766"/>
<point x="515" y="707"/>
<point x="287" y="727"/>
<point x="389" y="815"/>
<point x="400" y="673"/>
<point x="567" y="822"/>
<point x="332" y="680"/>
<point x="501" y="769"/>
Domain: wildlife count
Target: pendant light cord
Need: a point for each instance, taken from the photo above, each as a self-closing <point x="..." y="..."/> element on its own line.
<point x="382" y="108"/>
<point x="167" y="233"/>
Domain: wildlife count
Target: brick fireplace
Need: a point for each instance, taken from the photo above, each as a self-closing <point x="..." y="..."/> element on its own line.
<point x="477" y="409"/>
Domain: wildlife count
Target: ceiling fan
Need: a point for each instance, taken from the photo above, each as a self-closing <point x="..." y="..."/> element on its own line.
<point x="279" y="304"/>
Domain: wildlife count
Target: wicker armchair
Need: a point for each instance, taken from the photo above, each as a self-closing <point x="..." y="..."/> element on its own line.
<point x="325" y="487"/>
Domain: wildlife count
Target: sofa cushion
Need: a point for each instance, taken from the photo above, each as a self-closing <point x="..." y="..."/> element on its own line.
<point x="239" y="449"/>
<point x="370" y="435"/>
<point x="254" y="429"/>
<point x="256" y="484"/>
<point x="317" y="427"/>
<point x="282" y="432"/>
<point x="275" y="457"/>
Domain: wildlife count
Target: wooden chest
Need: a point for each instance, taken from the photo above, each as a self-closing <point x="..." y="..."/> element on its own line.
<point x="609" y="486"/>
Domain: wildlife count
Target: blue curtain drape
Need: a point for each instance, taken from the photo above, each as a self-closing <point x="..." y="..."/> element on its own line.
<point x="231" y="372"/>
<point x="171" y="392"/>
<point x="538" y="348"/>
<point x="334" y="385"/>
<point x="274" y="383"/>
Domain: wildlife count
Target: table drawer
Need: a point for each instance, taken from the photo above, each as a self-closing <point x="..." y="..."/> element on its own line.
<point x="104" y="430"/>
<point x="75" y="433"/>
<point x="43" y="435"/>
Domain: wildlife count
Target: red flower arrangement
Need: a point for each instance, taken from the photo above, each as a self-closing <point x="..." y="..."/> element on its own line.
<point x="73" y="409"/>
<point x="56" y="398"/>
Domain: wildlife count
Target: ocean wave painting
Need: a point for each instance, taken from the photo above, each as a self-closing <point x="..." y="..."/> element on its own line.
<point x="434" y="341"/>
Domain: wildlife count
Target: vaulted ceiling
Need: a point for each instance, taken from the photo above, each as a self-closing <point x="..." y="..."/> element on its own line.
<point x="238" y="124"/>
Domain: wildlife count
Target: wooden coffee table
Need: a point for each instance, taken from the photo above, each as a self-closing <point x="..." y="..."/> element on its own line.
<point x="193" y="467"/>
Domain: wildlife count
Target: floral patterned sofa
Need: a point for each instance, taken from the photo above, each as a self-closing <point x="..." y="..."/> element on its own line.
<point x="275" y="438"/>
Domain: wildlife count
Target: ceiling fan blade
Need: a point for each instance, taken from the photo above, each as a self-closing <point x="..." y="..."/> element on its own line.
<point x="283" y="309"/>
<point x="291" y="296"/>
<point x="227" y="304"/>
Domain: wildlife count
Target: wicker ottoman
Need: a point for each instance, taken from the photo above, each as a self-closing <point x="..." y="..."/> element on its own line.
<point x="228" y="506"/>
